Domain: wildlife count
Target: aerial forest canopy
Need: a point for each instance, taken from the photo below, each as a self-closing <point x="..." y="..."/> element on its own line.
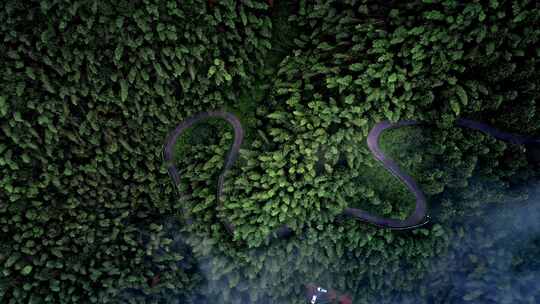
<point x="90" y="89"/>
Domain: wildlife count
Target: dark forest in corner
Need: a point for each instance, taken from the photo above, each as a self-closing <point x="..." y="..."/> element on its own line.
<point x="90" y="89"/>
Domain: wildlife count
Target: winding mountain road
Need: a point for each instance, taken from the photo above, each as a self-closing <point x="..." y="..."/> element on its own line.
<point x="419" y="216"/>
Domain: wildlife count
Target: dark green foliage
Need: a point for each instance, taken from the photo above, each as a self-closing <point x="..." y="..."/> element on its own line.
<point x="90" y="89"/>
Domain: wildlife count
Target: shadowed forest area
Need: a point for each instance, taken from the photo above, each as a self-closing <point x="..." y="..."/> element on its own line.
<point x="91" y="88"/>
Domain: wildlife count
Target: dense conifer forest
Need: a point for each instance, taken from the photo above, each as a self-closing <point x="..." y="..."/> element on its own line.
<point x="89" y="90"/>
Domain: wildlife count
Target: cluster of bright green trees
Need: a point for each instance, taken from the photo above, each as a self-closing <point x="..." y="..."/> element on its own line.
<point x="90" y="89"/>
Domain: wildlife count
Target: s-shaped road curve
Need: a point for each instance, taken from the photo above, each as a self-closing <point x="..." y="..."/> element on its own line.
<point x="419" y="216"/>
